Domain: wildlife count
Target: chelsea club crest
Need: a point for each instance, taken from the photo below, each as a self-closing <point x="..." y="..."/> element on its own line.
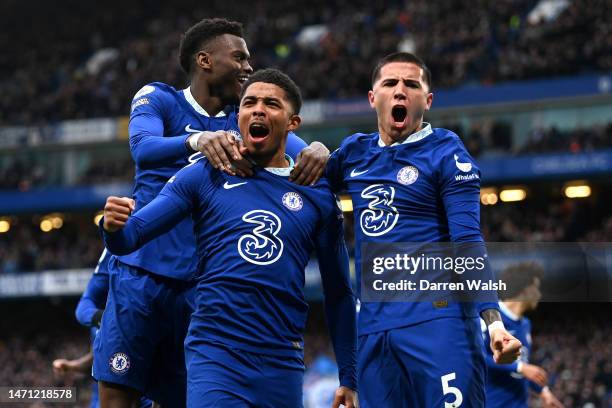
<point x="119" y="363"/>
<point x="293" y="201"/>
<point x="407" y="175"/>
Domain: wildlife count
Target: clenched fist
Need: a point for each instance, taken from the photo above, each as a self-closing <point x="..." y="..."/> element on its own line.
<point x="116" y="212"/>
<point x="506" y="348"/>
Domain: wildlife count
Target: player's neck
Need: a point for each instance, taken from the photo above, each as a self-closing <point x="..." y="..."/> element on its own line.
<point x="518" y="308"/>
<point x="389" y="140"/>
<point x="201" y="93"/>
<point x="277" y="161"/>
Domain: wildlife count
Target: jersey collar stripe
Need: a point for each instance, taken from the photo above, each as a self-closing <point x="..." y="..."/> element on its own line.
<point x="196" y="106"/>
<point x="415" y="137"/>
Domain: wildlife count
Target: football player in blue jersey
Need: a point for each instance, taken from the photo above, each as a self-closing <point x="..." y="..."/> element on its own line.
<point x="508" y="384"/>
<point x="140" y="346"/>
<point x="88" y="313"/>
<point x="254" y="238"/>
<point x="412" y="183"/>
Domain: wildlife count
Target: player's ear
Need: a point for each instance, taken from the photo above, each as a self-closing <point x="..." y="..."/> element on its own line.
<point x="294" y="122"/>
<point x="371" y="99"/>
<point x="203" y="60"/>
<point x="428" y="101"/>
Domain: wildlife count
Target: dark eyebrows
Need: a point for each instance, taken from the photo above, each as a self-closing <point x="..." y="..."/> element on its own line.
<point x="407" y="82"/>
<point x="267" y="99"/>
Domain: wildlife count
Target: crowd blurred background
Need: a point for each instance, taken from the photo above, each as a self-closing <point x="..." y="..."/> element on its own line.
<point x="88" y="60"/>
<point x="84" y="61"/>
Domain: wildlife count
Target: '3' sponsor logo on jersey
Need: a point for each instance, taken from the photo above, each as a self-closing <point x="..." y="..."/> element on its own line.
<point x="262" y="246"/>
<point x="381" y="216"/>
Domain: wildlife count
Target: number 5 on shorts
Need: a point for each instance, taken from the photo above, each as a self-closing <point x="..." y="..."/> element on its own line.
<point x="448" y="389"/>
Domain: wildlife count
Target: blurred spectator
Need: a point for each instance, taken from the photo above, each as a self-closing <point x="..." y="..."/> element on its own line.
<point x="326" y="46"/>
<point x="26" y="248"/>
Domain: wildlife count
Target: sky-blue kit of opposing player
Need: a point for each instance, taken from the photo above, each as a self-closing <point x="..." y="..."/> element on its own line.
<point x="151" y="296"/>
<point x="423" y="190"/>
<point x="91" y="303"/>
<point x="254" y="239"/>
<point x="505" y="386"/>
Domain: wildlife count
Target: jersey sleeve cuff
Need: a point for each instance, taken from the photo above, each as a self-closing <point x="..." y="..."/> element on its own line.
<point x="349" y="381"/>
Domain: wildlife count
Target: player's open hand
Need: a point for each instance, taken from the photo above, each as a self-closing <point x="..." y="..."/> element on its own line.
<point x="506" y="348"/>
<point x="534" y="373"/>
<point x="116" y="212"/>
<point x="223" y="151"/>
<point x="345" y="396"/>
<point x="310" y="164"/>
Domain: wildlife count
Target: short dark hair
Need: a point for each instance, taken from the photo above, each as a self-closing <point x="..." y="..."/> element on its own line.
<point x="402" y="57"/>
<point x="519" y="276"/>
<point x="280" y="79"/>
<point x="200" y="34"/>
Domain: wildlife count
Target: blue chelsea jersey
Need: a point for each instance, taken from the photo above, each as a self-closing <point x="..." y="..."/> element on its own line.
<point x="254" y="239"/>
<point x="161" y="120"/>
<point x="424" y="190"/>
<point x="505" y="386"/>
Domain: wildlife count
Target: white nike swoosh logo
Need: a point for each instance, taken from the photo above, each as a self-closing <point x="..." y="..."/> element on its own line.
<point x="189" y="129"/>
<point x="356" y="173"/>
<point x="227" y="185"/>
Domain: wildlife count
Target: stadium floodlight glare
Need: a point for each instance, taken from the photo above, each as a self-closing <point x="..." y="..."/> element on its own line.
<point x="513" y="194"/>
<point x="57" y="221"/>
<point x="488" y="196"/>
<point x="98" y="217"/>
<point x="5" y="225"/>
<point x="46" y="225"/>
<point x="346" y="204"/>
<point x="577" y="191"/>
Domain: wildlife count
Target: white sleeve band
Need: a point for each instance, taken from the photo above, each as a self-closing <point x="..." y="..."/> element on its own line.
<point x="519" y="367"/>
<point x="193" y="142"/>
<point x="498" y="324"/>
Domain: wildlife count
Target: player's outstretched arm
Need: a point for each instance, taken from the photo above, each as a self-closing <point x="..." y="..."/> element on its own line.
<point x="124" y="234"/>
<point x="310" y="164"/>
<point x="339" y="299"/>
<point x="345" y="396"/>
<point x="549" y="400"/>
<point x="506" y="348"/>
<point x="61" y="366"/>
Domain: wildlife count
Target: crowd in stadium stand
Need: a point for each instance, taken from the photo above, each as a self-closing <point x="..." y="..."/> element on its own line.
<point x="484" y="139"/>
<point x="96" y="59"/>
<point x="77" y="244"/>
<point x="26" y="248"/>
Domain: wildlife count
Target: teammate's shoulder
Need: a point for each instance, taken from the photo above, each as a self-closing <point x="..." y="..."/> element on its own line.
<point x="155" y="90"/>
<point x="198" y="167"/>
<point x="446" y="138"/>
<point x="358" y="141"/>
